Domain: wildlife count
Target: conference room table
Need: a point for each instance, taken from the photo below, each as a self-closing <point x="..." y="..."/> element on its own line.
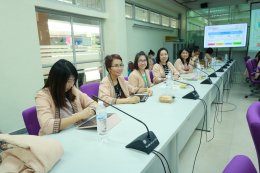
<point x="172" y="123"/>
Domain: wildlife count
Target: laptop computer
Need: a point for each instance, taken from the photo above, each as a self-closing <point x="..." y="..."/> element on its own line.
<point x="91" y="122"/>
<point x="143" y="97"/>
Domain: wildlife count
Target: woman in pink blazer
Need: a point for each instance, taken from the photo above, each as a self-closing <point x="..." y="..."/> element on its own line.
<point x="60" y="104"/>
<point x="182" y="64"/>
<point x="113" y="88"/>
<point x="140" y="77"/>
<point x="163" y="66"/>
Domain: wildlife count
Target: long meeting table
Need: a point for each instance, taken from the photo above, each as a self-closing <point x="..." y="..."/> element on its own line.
<point x="173" y="124"/>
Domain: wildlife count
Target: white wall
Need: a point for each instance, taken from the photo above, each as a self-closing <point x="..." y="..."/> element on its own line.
<point x="20" y="69"/>
<point x="115" y="30"/>
<point x="144" y="39"/>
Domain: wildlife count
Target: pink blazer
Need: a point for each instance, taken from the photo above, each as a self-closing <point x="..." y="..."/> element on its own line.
<point x="107" y="91"/>
<point x="48" y="114"/>
<point x="136" y="79"/>
<point x="158" y="71"/>
<point x="180" y="66"/>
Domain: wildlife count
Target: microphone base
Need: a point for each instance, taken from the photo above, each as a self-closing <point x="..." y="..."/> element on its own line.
<point x="144" y="143"/>
<point x="192" y="95"/>
<point x="220" y="70"/>
<point x="206" y="81"/>
<point x="213" y="75"/>
<point x="224" y="67"/>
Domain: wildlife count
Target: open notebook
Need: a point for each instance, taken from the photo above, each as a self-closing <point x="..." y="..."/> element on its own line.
<point x="112" y="120"/>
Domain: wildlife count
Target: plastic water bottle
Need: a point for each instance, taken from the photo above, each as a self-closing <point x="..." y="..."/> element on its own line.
<point x="169" y="84"/>
<point x="169" y="80"/>
<point x="226" y="58"/>
<point x="206" y="62"/>
<point x="197" y="69"/>
<point x="101" y="116"/>
<point x="213" y="62"/>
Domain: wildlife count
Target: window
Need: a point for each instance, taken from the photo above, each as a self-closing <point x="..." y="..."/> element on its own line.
<point x="149" y="16"/>
<point x="141" y="14"/>
<point x="128" y="11"/>
<point x="154" y="18"/>
<point x="93" y="4"/>
<point x="174" y="23"/>
<point x="165" y="21"/>
<point x="66" y="1"/>
<point x="67" y="37"/>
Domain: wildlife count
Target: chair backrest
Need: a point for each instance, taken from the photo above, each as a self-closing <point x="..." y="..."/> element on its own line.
<point x="130" y="67"/>
<point x="31" y="121"/>
<point x="254" y="63"/>
<point x="151" y="75"/>
<point x="251" y="71"/>
<point x="91" y="89"/>
<point x="240" y="164"/>
<point x="246" y="58"/>
<point x="253" y="120"/>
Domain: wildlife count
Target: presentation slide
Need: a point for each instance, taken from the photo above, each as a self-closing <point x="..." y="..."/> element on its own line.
<point x="232" y="35"/>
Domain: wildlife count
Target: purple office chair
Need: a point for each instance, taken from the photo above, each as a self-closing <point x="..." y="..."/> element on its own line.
<point x="253" y="120"/>
<point x="251" y="68"/>
<point x="251" y="75"/>
<point x="246" y="58"/>
<point x="31" y="121"/>
<point x="240" y="164"/>
<point x="254" y="64"/>
<point x="91" y="89"/>
<point x="151" y="75"/>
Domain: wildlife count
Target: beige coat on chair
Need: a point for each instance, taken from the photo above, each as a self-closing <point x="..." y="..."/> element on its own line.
<point x="28" y="153"/>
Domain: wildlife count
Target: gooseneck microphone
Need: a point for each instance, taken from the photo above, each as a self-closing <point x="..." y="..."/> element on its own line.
<point x="206" y="81"/>
<point x="146" y="142"/>
<point x="220" y="70"/>
<point x="192" y="95"/>
<point x="213" y="74"/>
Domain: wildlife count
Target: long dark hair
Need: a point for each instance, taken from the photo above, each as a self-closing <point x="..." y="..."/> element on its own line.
<point x="257" y="56"/>
<point x="158" y="55"/>
<point x="137" y="56"/>
<point x="209" y="50"/>
<point x="57" y="80"/>
<point x="179" y="55"/>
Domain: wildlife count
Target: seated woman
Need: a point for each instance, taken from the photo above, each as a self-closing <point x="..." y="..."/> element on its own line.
<point x="60" y="104"/>
<point x="182" y="64"/>
<point x="163" y="67"/>
<point x="140" y="77"/>
<point x="113" y="88"/>
<point x="208" y="58"/>
<point x="257" y="74"/>
<point x="195" y="52"/>
<point x="151" y="60"/>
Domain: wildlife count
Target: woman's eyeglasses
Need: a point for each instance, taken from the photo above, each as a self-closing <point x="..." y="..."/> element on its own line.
<point x="142" y="61"/>
<point x="118" y="66"/>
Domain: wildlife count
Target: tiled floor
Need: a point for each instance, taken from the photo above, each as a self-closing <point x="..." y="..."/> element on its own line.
<point x="232" y="137"/>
